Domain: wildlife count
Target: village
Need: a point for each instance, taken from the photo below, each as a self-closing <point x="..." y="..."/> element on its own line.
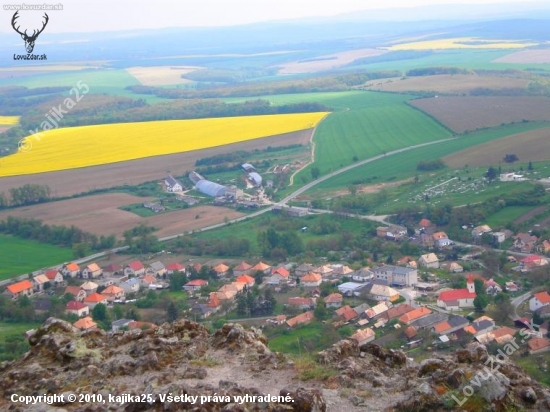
<point x="408" y="301"/>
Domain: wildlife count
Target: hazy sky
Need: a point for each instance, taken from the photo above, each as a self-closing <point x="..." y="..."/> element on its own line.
<point x="107" y="15"/>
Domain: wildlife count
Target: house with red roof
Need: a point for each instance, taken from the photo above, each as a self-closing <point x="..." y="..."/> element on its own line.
<point x="363" y="336"/>
<point x="78" y="293"/>
<point x="334" y="300"/>
<point x="458" y="298"/>
<point x="538" y="345"/>
<point x="221" y="270"/>
<point x="415" y="314"/>
<point x="345" y="313"/>
<point x="94" y="299"/>
<point x="16" y="290"/>
<point x="539" y="300"/>
<point x="278" y="275"/>
<point x="112" y="270"/>
<point x="113" y="292"/>
<point x="141" y="325"/>
<point x="134" y="268"/>
<point x="262" y="267"/>
<point x="92" y="271"/>
<point x="194" y="285"/>
<point x="77" y="308"/>
<point x="425" y="223"/>
<point x="302" y="303"/>
<point x="242" y="268"/>
<point x="85" y="324"/>
<point x="54" y="276"/>
<point x="532" y="262"/>
<point x="302" y="319"/>
<point x="311" y="280"/>
<point x="174" y="267"/>
<point x="249" y="281"/>
<point x="71" y="270"/>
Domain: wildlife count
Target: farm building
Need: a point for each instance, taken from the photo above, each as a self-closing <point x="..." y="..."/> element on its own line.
<point x="255" y="178"/>
<point x="210" y="188"/>
<point x="173" y="184"/>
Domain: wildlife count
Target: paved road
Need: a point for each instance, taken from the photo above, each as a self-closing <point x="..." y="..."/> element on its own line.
<point x="518" y="301"/>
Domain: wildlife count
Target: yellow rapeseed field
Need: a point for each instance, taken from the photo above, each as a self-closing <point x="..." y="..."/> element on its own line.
<point x="461" y="43"/>
<point x="9" y="120"/>
<point x="83" y="146"/>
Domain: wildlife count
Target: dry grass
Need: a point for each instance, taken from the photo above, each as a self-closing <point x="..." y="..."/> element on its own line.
<point x="466" y="113"/>
<point x="444" y="83"/>
<point x="161" y="75"/>
<point x="461" y="43"/>
<point x="9" y="120"/>
<point x="528" y="146"/>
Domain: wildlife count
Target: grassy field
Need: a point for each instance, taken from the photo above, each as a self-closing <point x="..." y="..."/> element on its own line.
<point x="403" y="165"/>
<point x="292" y="341"/>
<point x="21" y="256"/>
<point x="83" y="146"/>
<point x="507" y="215"/>
<point x="461" y="43"/>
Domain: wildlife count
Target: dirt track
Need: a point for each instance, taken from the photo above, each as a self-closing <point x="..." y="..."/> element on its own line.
<point x="70" y="182"/>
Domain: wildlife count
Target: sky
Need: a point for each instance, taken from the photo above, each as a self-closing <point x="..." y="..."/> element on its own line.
<point x="112" y="15"/>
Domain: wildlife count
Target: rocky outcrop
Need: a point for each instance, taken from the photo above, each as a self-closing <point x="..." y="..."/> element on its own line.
<point x="233" y="369"/>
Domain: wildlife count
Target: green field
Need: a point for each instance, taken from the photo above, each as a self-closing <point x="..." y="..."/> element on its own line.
<point x="403" y="165"/>
<point x="507" y="215"/>
<point x="20" y="256"/>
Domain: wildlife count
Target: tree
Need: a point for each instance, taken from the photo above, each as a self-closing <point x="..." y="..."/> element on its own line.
<point x="315" y="172"/>
<point x="511" y="158"/>
<point x="99" y="312"/>
<point x="177" y="280"/>
<point x="352" y="189"/>
<point x="81" y="249"/>
<point x="480" y="302"/>
<point x="172" y="312"/>
<point x="320" y="311"/>
<point x="529" y="167"/>
<point x="491" y="173"/>
<point x="479" y="286"/>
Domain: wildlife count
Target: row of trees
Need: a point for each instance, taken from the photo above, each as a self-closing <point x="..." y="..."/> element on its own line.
<point x="55" y="235"/>
<point x="27" y="194"/>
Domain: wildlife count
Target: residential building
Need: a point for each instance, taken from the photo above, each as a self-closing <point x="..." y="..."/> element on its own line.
<point x="425" y="224"/>
<point x="539" y="300"/>
<point x="382" y="292"/>
<point x="302" y="319"/>
<point x="311" y="280"/>
<point x="148" y="280"/>
<point x="91" y="271"/>
<point x="42" y="305"/>
<point x="363" y="336"/>
<point x="221" y="270"/>
<point x="362" y="275"/>
<point x="54" y="276"/>
<point x="479" y="327"/>
<point x="113" y="269"/>
<point x="175" y="267"/>
<point x="78" y="294"/>
<point x="77" y="308"/>
<point x="119" y="324"/>
<point x="452" y="324"/>
<point x="341" y="270"/>
<point x="544" y="247"/>
<point x="16" y="290"/>
<point x="247" y="280"/>
<point x="538" y="345"/>
<point x="397" y="275"/>
<point x="132" y="285"/>
<point x="85" y="324"/>
<point x="278" y="275"/>
<point x="478" y="231"/>
<point x="302" y="303"/>
<point x="351" y="288"/>
<point x="134" y="268"/>
<point x="512" y="286"/>
<point x="303" y="269"/>
<point x="458" y="298"/>
<point x="242" y="268"/>
<point x="532" y="262"/>
<point x="156" y="269"/>
<point x="544" y="312"/>
<point x="195" y="285"/>
<point x="378" y="310"/>
<point x="492" y="287"/>
<point x="277" y="320"/>
<point x="454" y="267"/>
<point x="334" y="300"/>
<point x="172" y="184"/>
<point x="501" y="335"/>
<point x="499" y="237"/>
<point x="415" y="314"/>
<point x="262" y="267"/>
<point x="427" y="322"/>
<point x="89" y="287"/>
<point x="429" y="260"/>
<point x="71" y="270"/>
<point x="40" y="282"/>
<point x="113" y="292"/>
<point x="94" y="299"/>
<point x="345" y="313"/>
<point x="398" y="311"/>
<point x="524" y="242"/>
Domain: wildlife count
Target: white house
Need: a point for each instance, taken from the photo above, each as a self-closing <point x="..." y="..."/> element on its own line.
<point x="54" y="276"/>
<point x="91" y="271"/>
<point x="278" y="276"/>
<point x="173" y="184"/>
<point x="156" y="269"/>
<point x="132" y="285"/>
<point x="71" y="270"/>
<point x="311" y="280"/>
<point x="539" y="300"/>
<point x="134" y="268"/>
<point x="362" y="275"/>
<point x="39" y="282"/>
<point x="397" y="275"/>
<point x="429" y="260"/>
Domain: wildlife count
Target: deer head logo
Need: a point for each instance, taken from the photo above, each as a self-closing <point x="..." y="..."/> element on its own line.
<point x="29" y="40"/>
